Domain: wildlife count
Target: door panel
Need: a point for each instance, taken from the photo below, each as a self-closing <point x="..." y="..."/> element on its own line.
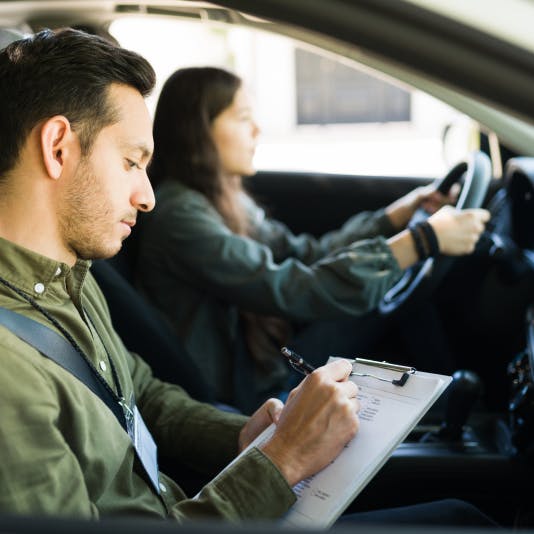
<point x="316" y="203"/>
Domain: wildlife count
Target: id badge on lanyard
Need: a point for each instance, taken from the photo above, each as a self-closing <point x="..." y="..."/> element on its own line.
<point x="142" y="440"/>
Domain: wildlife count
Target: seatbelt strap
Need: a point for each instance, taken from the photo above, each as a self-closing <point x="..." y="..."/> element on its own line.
<point x="55" y="347"/>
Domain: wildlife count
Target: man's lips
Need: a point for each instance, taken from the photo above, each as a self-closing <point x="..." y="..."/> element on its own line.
<point x="129" y="224"/>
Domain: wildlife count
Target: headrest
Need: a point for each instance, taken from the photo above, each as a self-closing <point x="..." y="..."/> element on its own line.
<point x="8" y="35"/>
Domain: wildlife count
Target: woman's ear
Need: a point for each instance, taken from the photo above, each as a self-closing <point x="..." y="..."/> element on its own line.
<point x="58" y="142"/>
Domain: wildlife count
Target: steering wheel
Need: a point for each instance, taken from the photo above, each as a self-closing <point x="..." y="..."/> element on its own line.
<point x="420" y="280"/>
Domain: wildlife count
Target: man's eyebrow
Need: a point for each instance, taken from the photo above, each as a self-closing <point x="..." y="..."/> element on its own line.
<point x="146" y="152"/>
<point x="147" y="156"/>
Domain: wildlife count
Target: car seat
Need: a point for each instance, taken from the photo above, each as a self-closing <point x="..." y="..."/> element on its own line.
<point x="144" y="330"/>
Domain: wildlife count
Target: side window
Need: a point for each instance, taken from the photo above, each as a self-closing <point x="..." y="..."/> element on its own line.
<point x="329" y="92"/>
<point x="317" y="112"/>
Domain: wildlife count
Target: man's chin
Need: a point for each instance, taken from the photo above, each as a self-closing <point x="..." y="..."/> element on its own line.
<point x="100" y="253"/>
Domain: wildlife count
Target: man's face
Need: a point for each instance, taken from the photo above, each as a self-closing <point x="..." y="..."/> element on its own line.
<point x="101" y="200"/>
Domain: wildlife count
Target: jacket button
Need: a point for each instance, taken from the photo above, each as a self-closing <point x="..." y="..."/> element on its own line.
<point x="39" y="288"/>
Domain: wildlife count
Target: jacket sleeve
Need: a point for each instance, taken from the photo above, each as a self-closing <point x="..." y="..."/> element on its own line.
<point x="251" y="488"/>
<point x="197" y="247"/>
<point x="308" y="249"/>
<point x="206" y="438"/>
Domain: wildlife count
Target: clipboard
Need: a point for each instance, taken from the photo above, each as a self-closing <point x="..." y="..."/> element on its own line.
<point x="391" y="406"/>
<point x="393" y="399"/>
<point x="403" y="369"/>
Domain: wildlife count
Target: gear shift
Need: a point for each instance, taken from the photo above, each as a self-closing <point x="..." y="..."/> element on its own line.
<point x="462" y="394"/>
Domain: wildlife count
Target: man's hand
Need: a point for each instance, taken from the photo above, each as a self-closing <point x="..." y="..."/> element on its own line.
<point x="318" y="420"/>
<point x="265" y="415"/>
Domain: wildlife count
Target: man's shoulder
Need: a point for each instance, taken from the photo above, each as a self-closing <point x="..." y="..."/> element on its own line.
<point x="21" y="363"/>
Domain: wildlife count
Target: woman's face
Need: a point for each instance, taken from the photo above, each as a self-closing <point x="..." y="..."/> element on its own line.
<point x="235" y="135"/>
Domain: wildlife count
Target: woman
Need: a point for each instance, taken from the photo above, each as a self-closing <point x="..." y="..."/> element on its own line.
<point x="237" y="285"/>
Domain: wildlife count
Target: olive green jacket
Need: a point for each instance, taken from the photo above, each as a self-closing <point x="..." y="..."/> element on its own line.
<point x="62" y="450"/>
<point x="201" y="274"/>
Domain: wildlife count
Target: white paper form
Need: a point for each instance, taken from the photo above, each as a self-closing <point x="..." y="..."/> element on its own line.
<point x="387" y="415"/>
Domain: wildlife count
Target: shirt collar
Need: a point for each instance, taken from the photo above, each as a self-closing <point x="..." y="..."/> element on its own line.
<point x="35" y="274"/>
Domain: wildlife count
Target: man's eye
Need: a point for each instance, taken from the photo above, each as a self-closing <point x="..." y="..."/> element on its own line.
<point x="131" y="164"/>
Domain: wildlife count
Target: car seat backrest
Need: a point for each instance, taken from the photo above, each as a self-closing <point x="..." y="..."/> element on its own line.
<point x="144" y="330"/>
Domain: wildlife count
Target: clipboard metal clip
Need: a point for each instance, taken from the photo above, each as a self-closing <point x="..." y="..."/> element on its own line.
<point x="405" y="370"/>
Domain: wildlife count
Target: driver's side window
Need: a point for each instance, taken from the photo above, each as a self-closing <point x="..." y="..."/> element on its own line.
<point x="316" y="113"/>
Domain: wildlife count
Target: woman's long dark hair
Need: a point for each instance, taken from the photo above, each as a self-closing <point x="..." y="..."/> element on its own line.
<point x="185" y="151"/>
<point x="184" y="148"/>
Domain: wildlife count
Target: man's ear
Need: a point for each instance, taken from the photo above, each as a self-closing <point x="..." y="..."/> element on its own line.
<point x="58" y="142"/>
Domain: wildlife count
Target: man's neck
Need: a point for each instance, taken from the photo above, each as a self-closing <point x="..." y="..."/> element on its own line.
<point x="28" y="219"/>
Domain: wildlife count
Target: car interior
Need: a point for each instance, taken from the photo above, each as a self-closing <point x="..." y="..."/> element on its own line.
<point x="477" y="442"/>
<point x="481" y="432"/>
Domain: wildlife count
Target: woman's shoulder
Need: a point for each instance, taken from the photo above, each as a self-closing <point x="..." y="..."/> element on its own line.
<point x="177" y="197"/>
<point x="183" y="212"/>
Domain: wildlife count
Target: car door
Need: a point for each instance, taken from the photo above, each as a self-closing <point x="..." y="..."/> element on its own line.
<point x="318" y="202"/>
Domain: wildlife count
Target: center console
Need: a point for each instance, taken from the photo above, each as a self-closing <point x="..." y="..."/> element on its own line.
<point x="464" y="452"/>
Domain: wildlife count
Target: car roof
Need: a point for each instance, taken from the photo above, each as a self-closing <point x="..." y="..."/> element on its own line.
<point x="454" y="53"/>
<point x="509" y="20"/>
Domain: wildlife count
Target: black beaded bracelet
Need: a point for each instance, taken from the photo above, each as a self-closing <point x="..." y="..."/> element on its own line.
<point x="431" y="238"/>
<point x="418" y="241"/>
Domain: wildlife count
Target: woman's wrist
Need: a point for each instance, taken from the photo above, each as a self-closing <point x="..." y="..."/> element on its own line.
<point x="417" y="243"/>
<point x="397" y="215"/>
<point x="403" y="249"/>
<point x="425" y="239"/>
<point x="401" y="211"/>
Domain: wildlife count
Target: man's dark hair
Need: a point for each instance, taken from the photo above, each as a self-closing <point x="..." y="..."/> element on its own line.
<point x="64" y="72"/>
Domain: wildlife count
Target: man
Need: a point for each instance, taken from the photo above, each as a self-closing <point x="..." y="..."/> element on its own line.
<point x="76" y="140"/>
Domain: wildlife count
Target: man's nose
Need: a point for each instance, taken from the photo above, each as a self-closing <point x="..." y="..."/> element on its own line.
<point x="143" y="198"/>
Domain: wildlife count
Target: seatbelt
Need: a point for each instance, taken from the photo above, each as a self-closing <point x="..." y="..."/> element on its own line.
<point x="55" y="347"/>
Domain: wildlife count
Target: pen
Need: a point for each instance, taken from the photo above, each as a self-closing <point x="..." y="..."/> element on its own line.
<point x="297" y="362"/>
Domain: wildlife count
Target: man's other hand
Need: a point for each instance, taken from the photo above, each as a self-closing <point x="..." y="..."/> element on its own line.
<point x="265" y="415"/>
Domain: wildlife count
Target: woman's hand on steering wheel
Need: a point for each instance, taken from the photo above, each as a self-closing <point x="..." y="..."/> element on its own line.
<point x="427" y="197"/>
<point x="458" y="230"/>
<point x="432" y="199"/>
